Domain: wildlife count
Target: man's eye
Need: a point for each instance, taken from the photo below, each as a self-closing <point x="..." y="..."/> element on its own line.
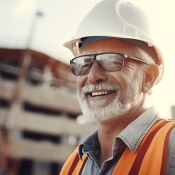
<point x="113" y="62"/>
<point x="84" y="68"/>
<point x="113" y="65"/>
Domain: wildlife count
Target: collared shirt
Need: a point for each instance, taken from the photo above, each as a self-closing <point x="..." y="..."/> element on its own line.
<point x="130" y="137"/>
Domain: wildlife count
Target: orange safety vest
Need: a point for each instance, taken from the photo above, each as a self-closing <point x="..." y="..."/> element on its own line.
<point x="149" y="159"/>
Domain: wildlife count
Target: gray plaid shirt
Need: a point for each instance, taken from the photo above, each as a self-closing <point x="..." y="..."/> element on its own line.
<point x="130" y="137"/>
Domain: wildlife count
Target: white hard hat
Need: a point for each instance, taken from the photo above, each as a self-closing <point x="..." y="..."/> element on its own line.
<point x="117" y="19"/>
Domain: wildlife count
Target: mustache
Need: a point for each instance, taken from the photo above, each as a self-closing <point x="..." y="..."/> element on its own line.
<point x="99" y="86"/>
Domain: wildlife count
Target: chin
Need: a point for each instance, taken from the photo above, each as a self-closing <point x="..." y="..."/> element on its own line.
<point x="103" y="110"/>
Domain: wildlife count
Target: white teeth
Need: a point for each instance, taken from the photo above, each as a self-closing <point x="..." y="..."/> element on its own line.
<point x="93" y="93"/>
<point x="100" y="93"/>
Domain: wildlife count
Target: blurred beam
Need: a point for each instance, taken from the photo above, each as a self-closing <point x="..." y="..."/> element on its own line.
<point x="59" y="69"/>
<point x="42" y="150"/>
<point x="6" y="88"/>
<point x="48" y="124"/>
<point x="62" y="100"/>
<point x="37" y="75"/>
<point x="15" y="100"/>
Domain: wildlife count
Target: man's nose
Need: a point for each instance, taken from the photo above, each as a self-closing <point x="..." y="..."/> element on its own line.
<point x="97" y="74"/>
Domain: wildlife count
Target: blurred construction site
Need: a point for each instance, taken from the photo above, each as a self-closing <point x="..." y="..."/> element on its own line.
<point x="40" y="118"/>
<point x="40" y="115"/>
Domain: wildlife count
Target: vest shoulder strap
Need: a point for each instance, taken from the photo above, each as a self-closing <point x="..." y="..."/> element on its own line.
<point x="150" y="155"/>
<point x="73" y="165"/>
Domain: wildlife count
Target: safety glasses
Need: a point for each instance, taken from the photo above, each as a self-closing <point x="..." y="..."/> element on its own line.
<point x="107" y="61"/>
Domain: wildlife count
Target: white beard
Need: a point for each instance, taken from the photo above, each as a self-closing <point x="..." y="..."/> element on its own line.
<point x="123" y="102"/>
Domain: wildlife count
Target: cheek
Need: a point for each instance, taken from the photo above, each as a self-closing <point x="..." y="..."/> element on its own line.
<point x="118" y="78"/>
<point x="81" y="80"/>
<point x="122" y="77"/>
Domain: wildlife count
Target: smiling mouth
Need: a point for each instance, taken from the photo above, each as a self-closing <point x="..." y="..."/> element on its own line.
<point x="100" y="93"/>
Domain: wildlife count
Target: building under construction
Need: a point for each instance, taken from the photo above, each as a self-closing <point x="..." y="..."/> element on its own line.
<point x="39" y="110"/>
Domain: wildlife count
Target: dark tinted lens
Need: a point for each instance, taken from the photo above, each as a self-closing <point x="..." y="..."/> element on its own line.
<point x="110" y="62"/>
<point x="80" y="65"/>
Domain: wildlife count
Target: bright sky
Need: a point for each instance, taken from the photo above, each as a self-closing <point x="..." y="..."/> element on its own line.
<point x="59" y="23"/>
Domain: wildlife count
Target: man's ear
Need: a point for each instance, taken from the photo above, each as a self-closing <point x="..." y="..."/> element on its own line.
<point x="150" y="75"/>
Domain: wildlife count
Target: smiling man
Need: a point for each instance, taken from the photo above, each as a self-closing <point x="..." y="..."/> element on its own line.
<point x="117" y="64"/>
<point x="112" y="86"/>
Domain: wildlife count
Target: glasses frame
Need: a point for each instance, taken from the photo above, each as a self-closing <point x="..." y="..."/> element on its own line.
<point x="123" y="56"/>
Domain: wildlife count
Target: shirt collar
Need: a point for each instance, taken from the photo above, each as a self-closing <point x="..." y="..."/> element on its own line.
<point x="132" y="135"/>
<point x="91" y="143"/>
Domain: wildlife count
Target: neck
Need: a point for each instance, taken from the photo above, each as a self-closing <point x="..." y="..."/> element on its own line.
<point x="108" y="130"/>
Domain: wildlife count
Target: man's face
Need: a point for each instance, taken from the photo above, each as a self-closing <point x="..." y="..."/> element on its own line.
<point x="105" y="95"/>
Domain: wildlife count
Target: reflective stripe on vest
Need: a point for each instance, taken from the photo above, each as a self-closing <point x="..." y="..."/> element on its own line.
<point x="147" y="160"/>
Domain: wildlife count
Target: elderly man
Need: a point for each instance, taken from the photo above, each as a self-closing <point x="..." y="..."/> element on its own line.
<point x="116" y="65"/>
